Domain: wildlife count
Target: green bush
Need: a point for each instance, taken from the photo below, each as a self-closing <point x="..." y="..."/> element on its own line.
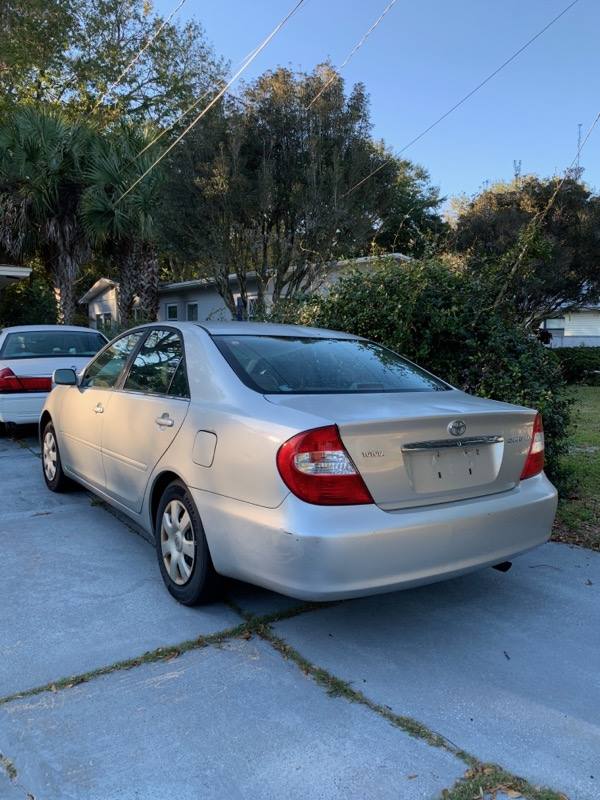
<point x="580" y="364"/>
<point x="27" y="303"/>
<point x="435" y="317"/>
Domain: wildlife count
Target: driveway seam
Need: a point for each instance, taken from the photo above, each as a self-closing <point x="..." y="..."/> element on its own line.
<point x="165" y="653"/>
<point x="479" y="778"/>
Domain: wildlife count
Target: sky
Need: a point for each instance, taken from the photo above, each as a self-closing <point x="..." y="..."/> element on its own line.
<point x="424" y="56"/>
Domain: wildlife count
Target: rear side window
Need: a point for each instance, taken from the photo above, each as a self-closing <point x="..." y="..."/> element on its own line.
<point x="49" y="344"/>
<point x="290" y="365"/>
<point x="105" y="370"/>
<point x="158" y="368"/>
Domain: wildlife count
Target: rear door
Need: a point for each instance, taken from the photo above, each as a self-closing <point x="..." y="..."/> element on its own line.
<point x="85" y="406"/>
<point x="145" y="415"/>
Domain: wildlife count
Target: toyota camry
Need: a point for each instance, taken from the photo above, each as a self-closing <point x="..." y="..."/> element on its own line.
<point x="315" y="463"/>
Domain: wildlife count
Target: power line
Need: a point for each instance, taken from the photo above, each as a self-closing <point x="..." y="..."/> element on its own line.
<point x="194" y="105"/>
<point x="215" y="99"/>
<point x="137" y="56"/>
<point x="465" y="98"/>
<point x="354" y="50"/>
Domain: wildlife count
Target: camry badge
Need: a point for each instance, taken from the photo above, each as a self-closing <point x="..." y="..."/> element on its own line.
<point x="457" y="428"/>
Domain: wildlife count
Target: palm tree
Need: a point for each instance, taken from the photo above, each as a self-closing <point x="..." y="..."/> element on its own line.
<point x="41" y="183"/>
<point x="125" y="225"/>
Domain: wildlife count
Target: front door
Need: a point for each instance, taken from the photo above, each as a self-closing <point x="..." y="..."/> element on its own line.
<point x="84" y="409"/>
<point x="145" y="416"/>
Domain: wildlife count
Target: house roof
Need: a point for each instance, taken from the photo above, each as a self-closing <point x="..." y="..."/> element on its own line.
<point x="209" y="283"/>
<point x="10" y="274"/>
<point x="101" y="285"/>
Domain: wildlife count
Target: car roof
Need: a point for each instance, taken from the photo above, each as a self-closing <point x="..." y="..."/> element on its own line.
<point x="237" y="328"/>
<point x="30" y="328"/>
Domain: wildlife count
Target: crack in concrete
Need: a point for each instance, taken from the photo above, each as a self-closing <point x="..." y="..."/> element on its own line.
<point x="479" y="776"/>
<point x="7" y="765"/>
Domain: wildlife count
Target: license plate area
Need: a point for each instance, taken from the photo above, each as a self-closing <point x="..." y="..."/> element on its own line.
<point x="433" y="467"/>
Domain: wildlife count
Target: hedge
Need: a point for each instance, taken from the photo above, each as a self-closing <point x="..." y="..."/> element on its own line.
<point x="580" y="364"/>
<point x="436" y="317"/>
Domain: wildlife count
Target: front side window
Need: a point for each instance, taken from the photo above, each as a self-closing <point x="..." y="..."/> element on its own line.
<point x="49" y="344"/>
<point x="105" y="370"/>
<point x="294" y="365"/>
<point x="172" y="312"/>
<point x="158" y="368"/>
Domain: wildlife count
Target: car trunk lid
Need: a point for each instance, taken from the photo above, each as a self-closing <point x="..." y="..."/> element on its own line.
<point x="402" y="445"/>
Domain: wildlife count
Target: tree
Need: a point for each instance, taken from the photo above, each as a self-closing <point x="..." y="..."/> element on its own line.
<point x="71" y="53"/>
<point x="272" y="185"/>
<point x="534" y="259"/>
<point x="41" y="168"/>
<point x="123" y="226"/>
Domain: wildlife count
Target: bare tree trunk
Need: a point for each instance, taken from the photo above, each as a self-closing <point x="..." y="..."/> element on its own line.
<point x="148" y="282"/>
<point x="64" y="288"/>
<point x="129" y="260"/>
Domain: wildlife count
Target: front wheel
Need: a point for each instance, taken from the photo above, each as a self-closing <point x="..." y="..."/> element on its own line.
<point x="55" y="478"/>
<point x="183" y="556"/>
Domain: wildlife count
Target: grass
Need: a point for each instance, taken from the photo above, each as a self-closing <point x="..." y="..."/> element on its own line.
<point x="578" y="518"/>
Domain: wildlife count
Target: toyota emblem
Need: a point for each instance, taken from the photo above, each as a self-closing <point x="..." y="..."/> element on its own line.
<point x="457" y="428"/>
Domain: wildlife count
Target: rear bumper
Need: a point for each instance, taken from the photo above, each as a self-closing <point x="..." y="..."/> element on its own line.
<point x="329" y="553"/>
<point x="22" y="409"/>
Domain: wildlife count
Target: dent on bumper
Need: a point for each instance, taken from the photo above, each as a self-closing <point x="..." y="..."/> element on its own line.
<point x="327" y="553"/>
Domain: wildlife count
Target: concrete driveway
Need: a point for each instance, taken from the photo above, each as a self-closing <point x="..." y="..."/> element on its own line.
<point x="110" y="690"/>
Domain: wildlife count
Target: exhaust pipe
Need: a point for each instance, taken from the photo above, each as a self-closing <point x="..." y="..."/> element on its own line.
<point x="504" y="566"/>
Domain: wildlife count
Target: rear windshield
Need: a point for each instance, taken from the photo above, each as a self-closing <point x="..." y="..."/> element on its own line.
<point x="289" y="365"/>
<point x="46" y="344"/>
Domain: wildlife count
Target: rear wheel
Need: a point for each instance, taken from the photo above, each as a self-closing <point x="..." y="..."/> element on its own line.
<point x="55" y="478"/>
<point x="183" y="556"/>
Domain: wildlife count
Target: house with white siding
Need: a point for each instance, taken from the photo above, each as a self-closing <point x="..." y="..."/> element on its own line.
<point x="574" y="328"/>
<point x="198" y="300"/>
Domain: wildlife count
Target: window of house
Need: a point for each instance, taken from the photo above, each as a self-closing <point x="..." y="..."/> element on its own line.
<point x="103" y="320"/>
<point x="172" y="311"/>
<point x="251" y="303"/>
<point x="192" y="312"/>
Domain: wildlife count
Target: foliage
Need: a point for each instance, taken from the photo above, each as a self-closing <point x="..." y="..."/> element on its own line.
<point x="557" y="259"/>
<point x="27" y="303"/>
<point x="41" y="164"/>
<point x="69" y="53"/>
<point x="122" y="226"/>
<point x="580" y="364"/>
<point x="425" y="310"/>
<point x="266" y="184"/>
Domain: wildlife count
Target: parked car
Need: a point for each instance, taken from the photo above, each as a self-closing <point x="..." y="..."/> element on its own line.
<point x="311" y="462"/>
<point x="29" y="354"/>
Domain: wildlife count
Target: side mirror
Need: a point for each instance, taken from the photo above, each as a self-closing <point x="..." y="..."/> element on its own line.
<point x="64" y="377"/>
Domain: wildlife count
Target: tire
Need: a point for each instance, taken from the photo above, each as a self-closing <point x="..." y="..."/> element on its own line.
<point x="55" y="478"/>
<point x="181" y="548"/>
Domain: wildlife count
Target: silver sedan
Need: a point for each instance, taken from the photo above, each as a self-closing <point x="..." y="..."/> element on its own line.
<point x="311" y="462"/>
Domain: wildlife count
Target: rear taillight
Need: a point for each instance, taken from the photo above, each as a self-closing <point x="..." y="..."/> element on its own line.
<point x="534" y="463"/>
<point x="11" y="383"/>
<point x="315" y="466"/>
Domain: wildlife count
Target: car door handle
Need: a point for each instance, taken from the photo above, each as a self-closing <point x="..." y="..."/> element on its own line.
<point x="99" y="409"/>
<point x="165" y="421"/>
